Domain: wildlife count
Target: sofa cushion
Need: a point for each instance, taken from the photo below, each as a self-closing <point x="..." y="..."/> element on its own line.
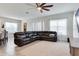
<point x="51" y="35"/>
<point x="21" y="36"/>
<point x="26" y="39"/>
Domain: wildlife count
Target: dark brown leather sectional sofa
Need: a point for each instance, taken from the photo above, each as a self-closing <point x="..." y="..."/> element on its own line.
<point x="23" y="38"/>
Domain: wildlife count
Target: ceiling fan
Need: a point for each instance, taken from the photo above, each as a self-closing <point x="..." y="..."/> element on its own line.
<point x="43" y="6"/>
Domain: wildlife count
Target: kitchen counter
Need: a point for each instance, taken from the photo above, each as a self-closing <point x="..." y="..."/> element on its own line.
<point x="74" y="47"/>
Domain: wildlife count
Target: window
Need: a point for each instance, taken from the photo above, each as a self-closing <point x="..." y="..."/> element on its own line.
<point x="11" y="27"/>
<point x="53" y="25"/>
<point x="36" y="26"/>
<point x="60" y="26"/>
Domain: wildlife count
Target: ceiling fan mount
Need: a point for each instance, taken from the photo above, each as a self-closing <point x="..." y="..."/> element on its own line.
<point x="43" y="6"/>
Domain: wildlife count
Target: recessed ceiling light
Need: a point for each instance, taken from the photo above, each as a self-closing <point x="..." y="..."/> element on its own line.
<point x="27" y="12"/>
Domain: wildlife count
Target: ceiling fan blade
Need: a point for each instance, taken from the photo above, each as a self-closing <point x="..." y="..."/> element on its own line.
<point x="41" y="11"/>
<point x="46" y="9"/>
<point x="37" y="4"/>
<point x="42" y="4"/>
<point x="48" y="6"/>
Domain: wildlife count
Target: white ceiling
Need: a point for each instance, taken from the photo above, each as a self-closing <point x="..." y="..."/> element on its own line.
<point x="19" y="10"/>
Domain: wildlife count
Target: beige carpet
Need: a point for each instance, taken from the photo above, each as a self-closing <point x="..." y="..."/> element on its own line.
<point x="44" y="48"/>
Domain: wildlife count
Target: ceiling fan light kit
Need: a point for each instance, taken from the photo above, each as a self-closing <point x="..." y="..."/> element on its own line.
<point x="39" y="8"/>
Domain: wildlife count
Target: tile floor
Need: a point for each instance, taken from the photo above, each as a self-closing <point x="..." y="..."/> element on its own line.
<point x="39" y="48"/>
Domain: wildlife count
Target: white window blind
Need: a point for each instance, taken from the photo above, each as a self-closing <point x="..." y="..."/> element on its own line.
<point x="36" y="26"/>
<point x="60" y="26"/>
